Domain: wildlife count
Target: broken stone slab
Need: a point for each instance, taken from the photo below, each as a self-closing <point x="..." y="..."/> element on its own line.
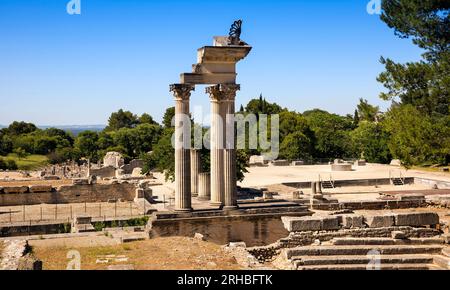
<point x="407" y="197"/>
<point x="80" y="181"/>
<point x="416" y="219"/>
<point x="268" y="195"/>
<point x="199" y="237"/>
<point x="398" y="235"/>
<point x="380" y="221"/>
<point x="352" y="221"/>
<point x="301" y="224"/>
<point x="297" y="195"/>
<point x="40" y="188"/>
<point x="446" y="238"/>
<point x="15" y="189"/>
<point x="237" y="245"/>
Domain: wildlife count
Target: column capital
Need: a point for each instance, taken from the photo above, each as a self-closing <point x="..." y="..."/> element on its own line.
<point x="229" y="91"/>
<point x="182" y="91"/>
<point x="223" y="92"/>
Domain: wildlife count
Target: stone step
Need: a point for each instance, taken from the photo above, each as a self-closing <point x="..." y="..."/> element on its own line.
<point x="446" y="251"/>
<point x="362" y="250"/>
<point x="359" y="267"/>
<point x="349" y="260"/>
<point x="442" y="261"/>
<point x="386" y="241"/>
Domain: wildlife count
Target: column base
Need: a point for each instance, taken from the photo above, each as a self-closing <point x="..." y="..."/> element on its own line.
<point x="231" y="207"/>
<point x="215" y="203"/>
<point x="184" y="210"/>
<point x="203" y="198"/>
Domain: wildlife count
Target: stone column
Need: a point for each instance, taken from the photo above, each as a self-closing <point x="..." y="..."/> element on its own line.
<point x="229" y="152"/>
<point x="195" y="170"/>
<point x="182" y="93"/>
<point x="313" y="188"/>
<point x="88" y="173"/>
<point x="216" y="144"/>
<point x="204" y="186"/>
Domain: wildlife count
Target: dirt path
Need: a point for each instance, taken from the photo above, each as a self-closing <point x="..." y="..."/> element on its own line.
<point x="174" y="253"/>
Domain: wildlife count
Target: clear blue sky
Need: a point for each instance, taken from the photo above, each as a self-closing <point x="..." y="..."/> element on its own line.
<point x="60" y="69"/>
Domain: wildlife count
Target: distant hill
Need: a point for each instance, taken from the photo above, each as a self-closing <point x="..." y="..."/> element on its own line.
<point x="76" y="129"/>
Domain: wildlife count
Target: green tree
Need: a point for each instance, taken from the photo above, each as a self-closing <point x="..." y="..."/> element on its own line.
<point x="20" y="153"/>
<point x="415" y="138"/>
<point x="427" y="22"/>
<point x="19" y="128"/>
<point x="86" y="145"/>
<point x="367" y="112"/>
<point x="332" y="134"/>
<point x="168" y="116"/>
<point x="121" y="119"/>
<point x="296" y="146"/>
<point x="423" y="84"/>
<point x="370" y="141"/>
<point x="147" y="119"/>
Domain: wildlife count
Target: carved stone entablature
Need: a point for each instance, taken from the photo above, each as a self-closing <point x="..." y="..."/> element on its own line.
<point x="182" y="91"/>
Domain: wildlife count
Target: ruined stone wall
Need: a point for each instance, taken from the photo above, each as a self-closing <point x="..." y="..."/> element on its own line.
<point x="72" y="194"/>
<point x="108" y="171"/>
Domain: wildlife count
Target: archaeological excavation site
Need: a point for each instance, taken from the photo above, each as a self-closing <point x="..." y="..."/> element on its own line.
<point x="221" y="180"/>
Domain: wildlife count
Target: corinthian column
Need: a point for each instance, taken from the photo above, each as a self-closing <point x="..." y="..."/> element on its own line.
<point x="229" y="152"/>
<point x="195" y="171"/>
<point x="182" y="93"/>
<point x="217" y="186"/>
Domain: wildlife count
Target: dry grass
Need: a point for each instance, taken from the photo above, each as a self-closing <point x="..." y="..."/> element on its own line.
<point x="174" y="253"/>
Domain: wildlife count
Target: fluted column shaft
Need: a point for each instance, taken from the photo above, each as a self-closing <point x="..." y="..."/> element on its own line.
<point x="204" y="186"/>
<point x="229" y="152"/>
<point x="216" y="158"/>
<point x="182" y="144"/>
<point x="195" y="170"/>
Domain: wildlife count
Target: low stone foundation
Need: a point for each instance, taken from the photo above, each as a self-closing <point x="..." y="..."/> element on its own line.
<point x="255" y="227"/>
<point x="77" y="193"/>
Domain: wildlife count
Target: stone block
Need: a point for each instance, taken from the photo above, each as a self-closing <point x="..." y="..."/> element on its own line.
<point x="398" y="235"/>
<point x="352" y="221"/>
<point x="407" y="197"/>
<point x="268" y="195"/>
<point x="40" y="188"/>
<point x="416" y="219"/>
<point x="297" y="194"/>
<point x="379" y="221"/>
<point x="80" y="181"/>
<point x="15" y="189"/>
<point x="330" y="223"/>
<point x="301" y="224"/>
<point x="82" y="219"/>
<point x="199" y="237"/>
<point x="396" y="162"/>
